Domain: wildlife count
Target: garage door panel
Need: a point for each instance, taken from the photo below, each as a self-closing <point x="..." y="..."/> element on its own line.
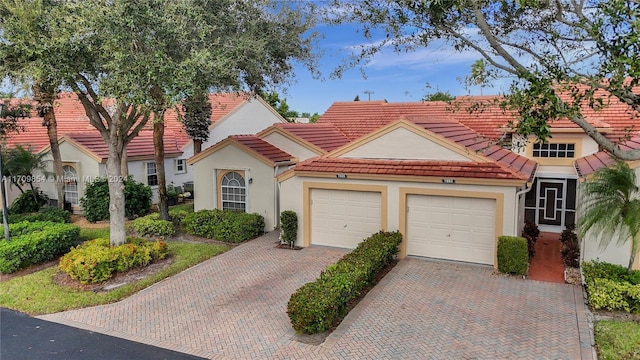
<point x="454" y="228"/>
<point x="343" y="218"/>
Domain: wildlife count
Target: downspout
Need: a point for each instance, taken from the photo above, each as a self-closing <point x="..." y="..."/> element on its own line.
<point x="526" y="189"/>
<point x="276" y="202"/>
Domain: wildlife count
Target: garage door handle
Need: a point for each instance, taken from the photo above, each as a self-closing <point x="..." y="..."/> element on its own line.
<point x="448" y="235"/>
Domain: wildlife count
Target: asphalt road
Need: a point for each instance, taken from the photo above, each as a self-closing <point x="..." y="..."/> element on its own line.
<point x="24" y="337"/>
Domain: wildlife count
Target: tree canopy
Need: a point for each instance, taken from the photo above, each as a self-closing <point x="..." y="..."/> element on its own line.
<point x="439" y="96"/>
<point x="564" y="56"/>
<point x="126" y="60"/>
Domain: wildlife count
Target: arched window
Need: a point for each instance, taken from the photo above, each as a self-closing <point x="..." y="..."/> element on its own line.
<point x="233" y="191"/>
<point x="70" y="177"/>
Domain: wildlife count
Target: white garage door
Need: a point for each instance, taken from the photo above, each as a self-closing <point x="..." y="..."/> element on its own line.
<point x="343" y="218"/>
<point x="453" y="228"/>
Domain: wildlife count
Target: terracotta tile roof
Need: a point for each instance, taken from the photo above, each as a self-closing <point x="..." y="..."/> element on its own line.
<point x="358" y="118"/>
<point x="140" y="147"/>
<point x="71" y="117"/>
<point x="325" y="136"/>
<point x="592" y="163"/>
<point x="470" y="139"/>
<point x="440" y="169"/>
<point x="262" y="148"/>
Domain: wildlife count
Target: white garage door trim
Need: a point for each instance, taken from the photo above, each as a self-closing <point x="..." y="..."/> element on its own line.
<point x="482" y="254"/>
<point x="308" y="223"/>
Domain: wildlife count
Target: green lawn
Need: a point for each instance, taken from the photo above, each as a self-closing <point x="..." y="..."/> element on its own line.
<point x="618" y="339"/>
<point x="90" y="234"/>
<point x="36" y="294"/>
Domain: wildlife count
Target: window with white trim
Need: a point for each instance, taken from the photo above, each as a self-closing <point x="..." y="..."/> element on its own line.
<point x="233" y="191"/>
<point x="180" y="166"/>
<point x="70" y="178"/>
<point x="152" y="175"/>
<point x="547" y="150"/>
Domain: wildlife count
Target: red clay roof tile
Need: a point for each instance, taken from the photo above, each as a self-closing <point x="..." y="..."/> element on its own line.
<point x="592" y="163"/>
<point x="140" y="146"/>
<point x="71" y="118"/>
<point x="441" y="169"/>
<point x="263" y="148"/>
<point x="325" y="136"/>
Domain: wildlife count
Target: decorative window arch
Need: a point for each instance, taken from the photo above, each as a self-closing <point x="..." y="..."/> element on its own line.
<point x="233" y="191"/>
<point x="70" y="177"/>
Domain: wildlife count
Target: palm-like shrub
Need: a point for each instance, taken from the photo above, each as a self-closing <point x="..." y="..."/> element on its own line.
<point x="610" y="207"/>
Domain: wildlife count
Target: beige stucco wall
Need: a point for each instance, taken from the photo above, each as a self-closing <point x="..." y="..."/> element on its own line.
<point x="289" y="146"/>
<point x="614" y="252"/>
<point x="260" y="193"/>
<point x="138" y="170"/>
<point x="291" y="195"/>
<point x="401" y="143"/>
<point x="87" y="168"/>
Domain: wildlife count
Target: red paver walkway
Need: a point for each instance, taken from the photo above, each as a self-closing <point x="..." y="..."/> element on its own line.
<point x="233" y="306"/>
<point x="547" y="263"/>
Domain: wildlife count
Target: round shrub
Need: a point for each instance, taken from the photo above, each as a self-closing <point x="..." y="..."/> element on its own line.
<point x="151" y="225"/>
<point x="28" y="202"/>
<point x="96" y="261"/>
<point x="95" y="202"/>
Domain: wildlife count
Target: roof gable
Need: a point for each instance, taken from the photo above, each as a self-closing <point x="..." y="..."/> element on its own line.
<point x="404" y="140"/>
<point x="251" y="144"/>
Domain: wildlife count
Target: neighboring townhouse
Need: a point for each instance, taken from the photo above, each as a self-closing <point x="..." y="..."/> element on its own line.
<point x="450" y="179"/>
<point x="84" y="152"/>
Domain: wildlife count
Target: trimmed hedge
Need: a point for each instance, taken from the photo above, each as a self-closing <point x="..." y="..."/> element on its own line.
<point x="610" y="287"/>
<point x="35" y="242"/>
<point x="96" y="261"/>
<point x="224" y="225"/>
<point x="319" y="305"/>
<point x="513" y="255"/>
<point x="151" y="225"/>
<point x="46" y="213"/>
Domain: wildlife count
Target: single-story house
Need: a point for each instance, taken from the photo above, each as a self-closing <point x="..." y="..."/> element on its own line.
<point x="84" y="152"/>
<point x="450" y="180"/>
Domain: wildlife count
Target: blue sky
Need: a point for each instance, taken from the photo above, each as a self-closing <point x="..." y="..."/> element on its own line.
<point x="391" y="76"/>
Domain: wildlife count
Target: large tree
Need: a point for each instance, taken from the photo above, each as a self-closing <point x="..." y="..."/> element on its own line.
<point x="565" y="55"/>
<point x="128" y="60"/>
<point x="27" y="37"/>
<point x="611" y="207"/>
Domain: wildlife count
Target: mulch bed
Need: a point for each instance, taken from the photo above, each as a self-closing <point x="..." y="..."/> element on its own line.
<point x="119" y="279"/>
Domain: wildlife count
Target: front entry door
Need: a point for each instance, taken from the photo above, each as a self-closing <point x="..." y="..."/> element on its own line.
<point x="551" y="195"/>
<point x="551" y="203"/>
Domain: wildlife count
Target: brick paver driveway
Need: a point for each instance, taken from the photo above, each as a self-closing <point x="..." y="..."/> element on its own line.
<point x="233" y="306"/>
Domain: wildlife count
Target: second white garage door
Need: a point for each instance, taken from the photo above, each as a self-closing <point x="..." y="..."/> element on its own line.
<point x="343" y="218"/>
<point x="453" y="228"/>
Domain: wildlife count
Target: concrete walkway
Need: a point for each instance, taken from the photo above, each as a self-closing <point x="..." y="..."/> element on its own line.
<point x="234" y="307"/>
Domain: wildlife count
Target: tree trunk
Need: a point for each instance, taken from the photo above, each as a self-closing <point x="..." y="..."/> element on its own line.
<point x="158" y="149"/>
<point x="124" y="164"/>
<point x="45" y="96"/>
<point x="197" y="146"/>
<point x="634" y="250"/>
<point x="117" y="233"/>
<point x="52" y="132"/>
